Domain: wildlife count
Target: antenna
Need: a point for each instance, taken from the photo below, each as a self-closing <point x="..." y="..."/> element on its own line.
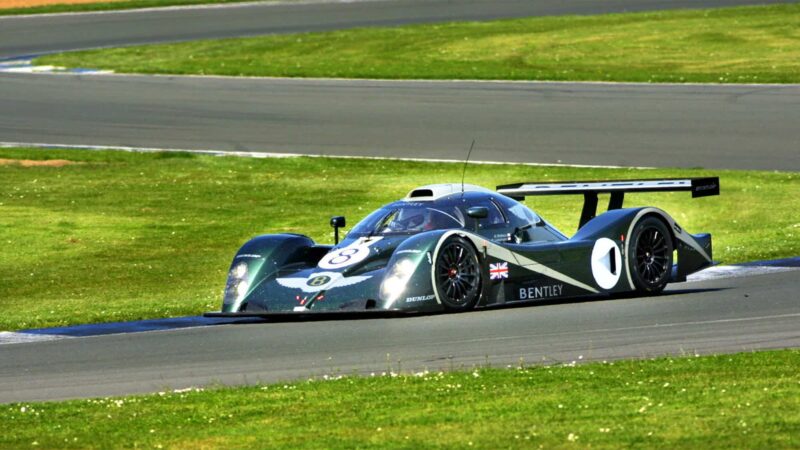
<point x="464" y="172"/>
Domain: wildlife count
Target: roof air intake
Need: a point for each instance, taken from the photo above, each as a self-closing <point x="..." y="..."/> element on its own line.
<point x="421" y="193"/>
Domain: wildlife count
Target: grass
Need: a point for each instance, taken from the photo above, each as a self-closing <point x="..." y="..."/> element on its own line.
<point x="109" y="6"/>
<point x="122" y="236"/>
<point x="758" y="44"/>
<point x="748" y="400"/>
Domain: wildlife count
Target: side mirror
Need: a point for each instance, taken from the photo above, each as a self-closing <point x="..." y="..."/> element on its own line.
<point x="337" y="222"/>
<point x="478" y="212"/>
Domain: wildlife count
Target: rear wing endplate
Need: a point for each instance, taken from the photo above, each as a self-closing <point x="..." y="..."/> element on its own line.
<point x="699" y="187"/>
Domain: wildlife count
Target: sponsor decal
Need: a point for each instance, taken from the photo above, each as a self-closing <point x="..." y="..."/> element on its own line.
<point x="498" y="271"/>
<point x="421" y="298"/>
<point x="347" y="256"/>
<point x="321" y="281"/>
<point x="704" y="187"/>
<point x="707" y="187"/>
<point x="536" y="292"/>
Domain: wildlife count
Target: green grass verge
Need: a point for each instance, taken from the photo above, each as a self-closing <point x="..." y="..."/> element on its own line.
<point x="744" y="401"/>
<point x="730" y="45"/>
<point x="110" y="6"/>
<point x="123" y="236"/>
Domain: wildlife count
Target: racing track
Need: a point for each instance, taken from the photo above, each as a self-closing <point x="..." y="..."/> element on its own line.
<point x="40" y="34"/>
<point x="688" y="126"/>
<point x="725" y="315"/>
<point x="573" y="123"/>
<point x="691" y="126"/>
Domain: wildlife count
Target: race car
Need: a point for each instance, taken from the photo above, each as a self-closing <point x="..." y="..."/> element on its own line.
<point x="455" y="247"/>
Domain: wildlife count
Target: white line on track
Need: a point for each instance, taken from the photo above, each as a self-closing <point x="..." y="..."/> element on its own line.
<point x="27" y="60"/>
<point x="189" y="7"/>
<point x="719" y="272"/>
<point x="63" y="71"/>
<point x="10" y="337"/>
<point x="26" y="66"/>
<point x="295" y="155"/>
<point x="464" y="80"/>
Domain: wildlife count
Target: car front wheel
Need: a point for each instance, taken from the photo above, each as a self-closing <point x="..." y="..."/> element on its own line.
<point x="457" y="275"/>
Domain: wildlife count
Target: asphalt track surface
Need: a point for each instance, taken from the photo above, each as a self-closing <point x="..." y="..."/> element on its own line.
<point x="716" y="316"/>
<point x="41" y="34"/>
<point x="629" y="125"/>
<point x="738" y="127"/>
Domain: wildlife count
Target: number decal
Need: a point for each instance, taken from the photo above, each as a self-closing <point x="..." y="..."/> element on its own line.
<point x="352" y="254"/>
<point x="606" y="263"/>
<point x="343" y="255"/>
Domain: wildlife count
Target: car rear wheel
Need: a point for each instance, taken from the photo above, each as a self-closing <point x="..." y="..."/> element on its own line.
<point x="457" y="275"/>
<point x="650" y="258"/>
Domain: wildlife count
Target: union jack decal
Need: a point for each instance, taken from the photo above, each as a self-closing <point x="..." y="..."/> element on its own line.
<point x="498" y="271"/>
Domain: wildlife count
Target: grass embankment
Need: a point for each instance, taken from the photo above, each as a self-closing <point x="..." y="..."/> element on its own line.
<point x="732" y="401"/>
<point x="732" y="45"/>
<point x="106" y="6"/>
<point x="119" y="236"/>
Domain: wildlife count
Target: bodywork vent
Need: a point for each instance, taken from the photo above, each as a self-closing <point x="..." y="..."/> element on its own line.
<point x="437" y="191"/>
<point x="421" y="193"/>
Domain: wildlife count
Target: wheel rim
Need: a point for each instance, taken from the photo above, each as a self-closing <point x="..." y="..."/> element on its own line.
<point x="652" y="255"/>
<point x="457" y="273"/>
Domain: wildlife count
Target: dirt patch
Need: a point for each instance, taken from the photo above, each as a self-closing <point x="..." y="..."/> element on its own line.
<point x="28" y="3"/>
<point x="34" y="163"/>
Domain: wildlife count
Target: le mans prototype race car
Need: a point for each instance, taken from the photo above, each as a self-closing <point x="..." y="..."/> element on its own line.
<point x="455" y="247"/>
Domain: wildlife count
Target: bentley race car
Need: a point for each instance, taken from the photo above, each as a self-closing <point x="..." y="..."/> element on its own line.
<point x="455" y="247"/>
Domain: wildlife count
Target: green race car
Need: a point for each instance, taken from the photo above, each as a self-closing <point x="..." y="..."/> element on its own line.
<point x="455" y="247"/>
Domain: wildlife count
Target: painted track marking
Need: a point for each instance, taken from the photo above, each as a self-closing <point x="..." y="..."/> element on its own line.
<point x="25" y="65"/>
<point x="10" y="337"/>
<point x="294" y="155"/>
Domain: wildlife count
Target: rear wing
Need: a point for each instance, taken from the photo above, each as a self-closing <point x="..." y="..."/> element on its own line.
<point x="699" y="187"/>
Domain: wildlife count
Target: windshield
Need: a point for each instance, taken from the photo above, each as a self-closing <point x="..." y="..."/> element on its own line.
<point x="409" y="220"/>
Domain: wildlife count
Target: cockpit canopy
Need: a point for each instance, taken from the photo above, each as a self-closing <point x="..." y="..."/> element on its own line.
<point x="410" y="218"/>
<point x="420" y="213"/>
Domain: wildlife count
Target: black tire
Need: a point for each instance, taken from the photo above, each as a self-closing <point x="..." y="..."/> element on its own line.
<point x="457" y="275"/>
<point x="650" y="256"/>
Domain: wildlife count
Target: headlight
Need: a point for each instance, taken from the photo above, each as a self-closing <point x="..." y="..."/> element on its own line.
<point x="240" y="271"/>
<point x="404" y="267"/>
<point x="241" y="288"/>
<point x="237" y="285"/>
<point x="395" y="282"/>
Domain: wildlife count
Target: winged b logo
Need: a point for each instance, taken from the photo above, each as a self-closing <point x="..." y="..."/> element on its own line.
<point x="320" y="281"/>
